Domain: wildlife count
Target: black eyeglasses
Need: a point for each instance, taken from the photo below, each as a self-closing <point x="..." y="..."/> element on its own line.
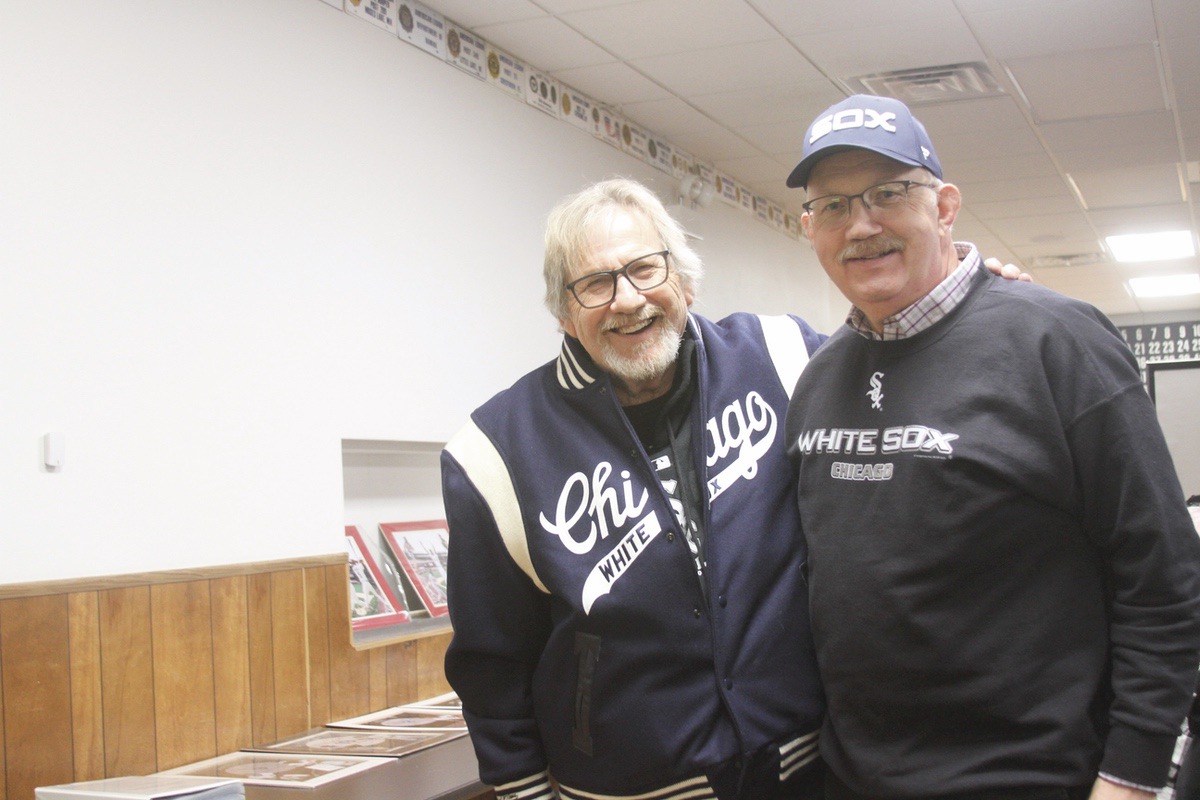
<point x="833" y="210"/>
<point x="643" y="273"/>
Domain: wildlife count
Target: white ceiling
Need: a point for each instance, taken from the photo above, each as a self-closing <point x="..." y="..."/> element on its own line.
<point x="1094" y="128"/>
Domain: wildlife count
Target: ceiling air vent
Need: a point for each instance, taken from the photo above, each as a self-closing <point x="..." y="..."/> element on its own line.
<point x="933" y="84"/>
<point x="1073" y="260"/>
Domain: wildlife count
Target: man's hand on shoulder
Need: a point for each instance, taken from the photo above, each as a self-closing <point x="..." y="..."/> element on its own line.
<point x="1107" y="790"/>
<point x="1007" y="271"/>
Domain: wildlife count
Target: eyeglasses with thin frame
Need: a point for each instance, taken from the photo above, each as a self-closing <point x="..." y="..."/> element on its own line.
<point x="833" y="210"/>
<point x="643" y="273"/>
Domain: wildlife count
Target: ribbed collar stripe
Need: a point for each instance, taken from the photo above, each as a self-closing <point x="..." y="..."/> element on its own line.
<point x="798" y="753"/>
<point x="534" y="787"/>
<point x="571" y="374"/>
<point x="689" y="789"/>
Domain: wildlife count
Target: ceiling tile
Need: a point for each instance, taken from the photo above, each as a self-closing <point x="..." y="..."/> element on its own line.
<point x="748" y="65"/>
<point x="997" y="142"/>
<point x="969" y="171"/>
<point x="756" y="169"/>
<point x="1028" y="252"/>
<point x="1093" y="83"/>
<point x="471" y="13"/>
<point x="1023" y="28"/>
<point x="1183" y="61"/>
<point x="567" y="6"/>
<point x="797" y="103"/>
<point x="948" y="120"/>
<point x="782" y="140"/>
<point x="656" y="27"/>
<point x="709" y="142"/>
<point x="874" y="47"/>
<point x="1177" y="18"/>
<point x="1019" y="189"/>
<point x="1042" y="229"/>
<point x="613" y="84"/>
<point x="1092" y="144"/>
<point x="1171" y="217"/>
<point x="1024" y="207"/>
<point x="1156" y="184"/>
<point x="545" y="42"/>
<point x="668" y="117"/>
<point x="801" y="19"/>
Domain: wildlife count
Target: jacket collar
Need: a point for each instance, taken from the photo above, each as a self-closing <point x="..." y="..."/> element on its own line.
<point x="575" y="368"/>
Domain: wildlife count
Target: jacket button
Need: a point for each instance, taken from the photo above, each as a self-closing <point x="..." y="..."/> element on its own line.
<point x="670" y="536"/>
<point x="728" y="683"/>
<point x="721" y="600"/>
<point x="696" y="612"/>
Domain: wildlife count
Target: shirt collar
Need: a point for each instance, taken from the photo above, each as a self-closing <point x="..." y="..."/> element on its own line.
<point x="931" y="308"/>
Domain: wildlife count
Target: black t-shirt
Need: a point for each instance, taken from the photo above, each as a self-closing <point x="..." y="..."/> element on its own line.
<point x="662" y="426"/>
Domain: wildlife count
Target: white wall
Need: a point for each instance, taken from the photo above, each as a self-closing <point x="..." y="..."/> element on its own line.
<point x="234" y="233"/>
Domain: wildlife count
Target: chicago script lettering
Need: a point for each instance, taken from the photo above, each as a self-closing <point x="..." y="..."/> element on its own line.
<point x="603" y="505"/>
<point x="738" y="426"/>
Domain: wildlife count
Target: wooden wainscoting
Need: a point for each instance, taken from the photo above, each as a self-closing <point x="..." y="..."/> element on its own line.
<point x="135" y="674"/>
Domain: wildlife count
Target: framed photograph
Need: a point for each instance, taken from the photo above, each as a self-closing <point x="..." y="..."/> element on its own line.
<point x="359" y="742"/>
<point x="422" y="548"/>
<point x="146" y="787"/>
<point x="443" y="702"/>
<point x="372" y="602"/>
<point x="282" y="769"/>
<point x="406" y="718"/>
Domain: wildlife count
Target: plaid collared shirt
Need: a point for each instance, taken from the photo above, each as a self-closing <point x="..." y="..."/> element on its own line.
<point x="927" y="311"/>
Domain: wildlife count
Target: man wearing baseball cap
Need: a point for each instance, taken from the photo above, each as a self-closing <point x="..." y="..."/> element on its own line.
<point x="1004" y="579"/>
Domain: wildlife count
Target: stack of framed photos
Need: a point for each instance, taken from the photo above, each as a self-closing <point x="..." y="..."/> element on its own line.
<point x="341" y="749"/>
<point x="393" y="732"/>
<point x="294" y="770"/>
<point x="408" y="579"/>
<point x="145" y="787"/>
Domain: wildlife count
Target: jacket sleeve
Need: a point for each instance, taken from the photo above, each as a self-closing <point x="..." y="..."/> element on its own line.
<point x="1133" y="505"/>
<point x="812" y="339"/>
<point x="501" y="621"/>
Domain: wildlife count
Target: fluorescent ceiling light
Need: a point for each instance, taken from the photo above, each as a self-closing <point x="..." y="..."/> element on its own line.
<point x="1165" y="285"/>
<point x="1151" y="246"/>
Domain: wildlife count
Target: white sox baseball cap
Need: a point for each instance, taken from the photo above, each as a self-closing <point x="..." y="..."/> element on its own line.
<point x="882" y="124"/>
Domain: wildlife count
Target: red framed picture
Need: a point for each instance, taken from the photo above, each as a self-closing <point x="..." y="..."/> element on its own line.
<point x="372" y="602"/>
<point x="422" y="548"/>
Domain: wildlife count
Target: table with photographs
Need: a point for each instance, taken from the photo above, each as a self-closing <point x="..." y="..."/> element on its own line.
<point x="415" y="751"/>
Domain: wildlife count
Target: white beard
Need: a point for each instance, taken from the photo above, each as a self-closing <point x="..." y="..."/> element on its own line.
<point x="650" y="361"/>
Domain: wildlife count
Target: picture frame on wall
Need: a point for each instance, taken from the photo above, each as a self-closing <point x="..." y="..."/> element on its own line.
<point x="422" y="548"/>
<point x="373" y="604"/>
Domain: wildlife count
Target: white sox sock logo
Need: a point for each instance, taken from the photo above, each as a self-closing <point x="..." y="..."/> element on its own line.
<point x="876" y="393"/>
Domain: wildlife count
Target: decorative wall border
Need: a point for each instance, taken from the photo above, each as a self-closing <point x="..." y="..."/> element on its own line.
<point x="441" y="37"/>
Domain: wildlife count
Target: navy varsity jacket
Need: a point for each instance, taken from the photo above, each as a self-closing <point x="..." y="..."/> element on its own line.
<point x="584" y="647"/>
